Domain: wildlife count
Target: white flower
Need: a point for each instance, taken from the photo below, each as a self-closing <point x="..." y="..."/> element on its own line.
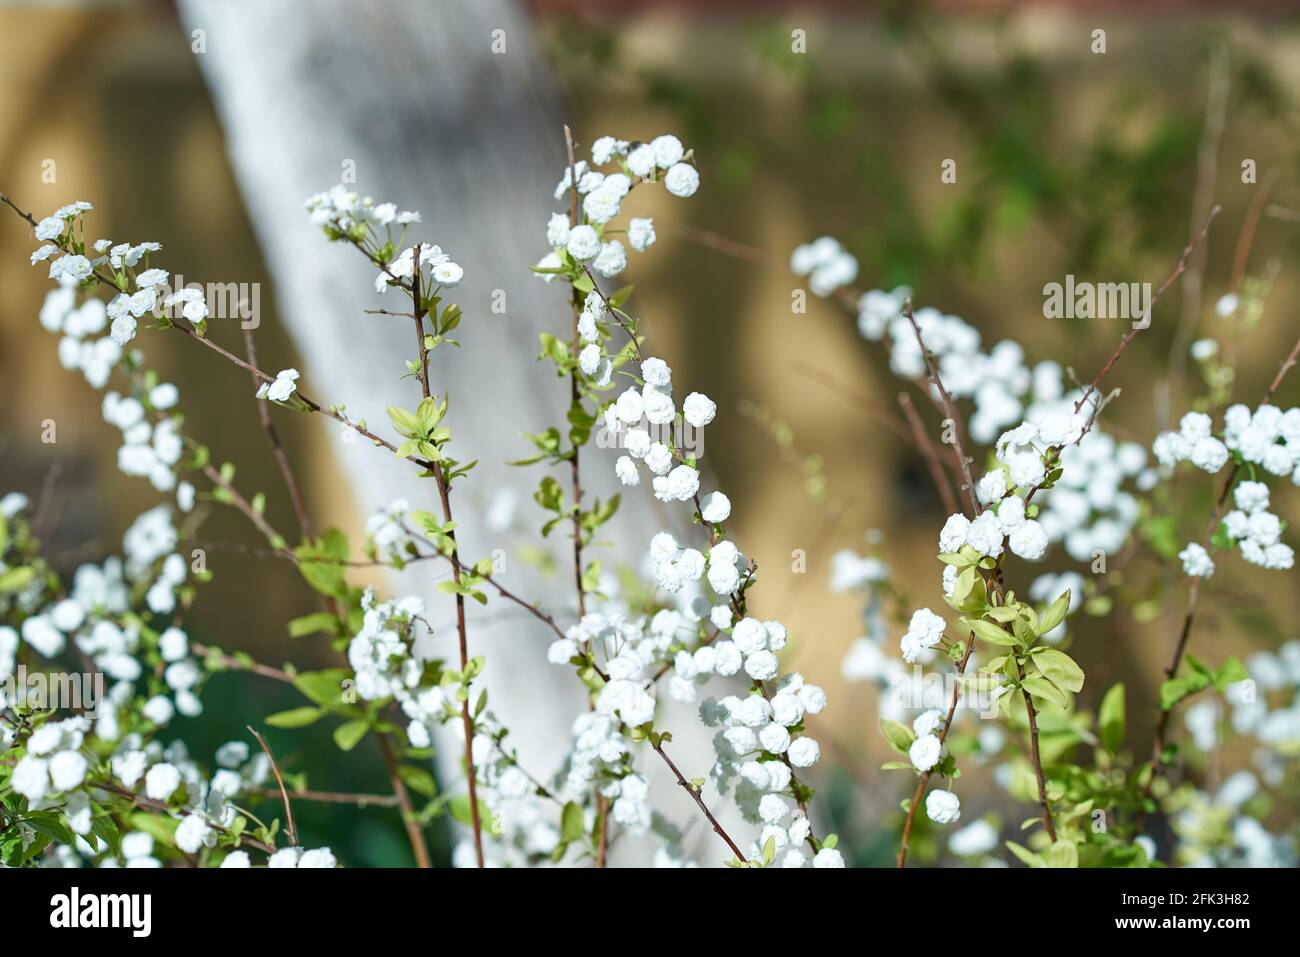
<point x="605" y="149"/>
<point x="557" y="231"/>
<point x="991" y="487"/>
<point x="284" y="386"/>
<point x="683" y="483"/>
<point x="658" y="407"/>
<point x="942" y="807"/>
<point x="924" y="752"/>
<point x="1203" y="349"/>
<point x="828" y="857"/>
<point x="31" y="778"/>
<point x="927" y="722"/>
<point x="237" y="859"/>
<point x="954" y="533"/>
<point x="761" y="666"/>
<point x="774" y="738"/>
<point x="612" y="259"/>
<point x="51" y="227"/>
<point x="716" y="508"/>
<point x="658" y="460"/>
<point x="1209" y="454"/>
<point x="192" y="833"/>
<point x="448" y="275"/>
<point x="625" y="470"/>
<point x="1196" y="561"/>
<point x="641" y="160"/>
<point x="985" y="534"/>
<point x="1011" y="513"/>
<point x="641" y="234"/>
<point x="699" y="409"/>
<point x="804" y="752"/>
<point x="682" y="180"/>
<point x="285" y="857"/>
<point x="584" y="243"/>
<point x="1251" y="496"/>
<point x="601" y="205"/>
<point x="630" y="407"/>
<point x="657" y="374"/>
<point x="1029" y="540"/>
<point x="668" y="150"/>
<point x="161" y="781"/>
<point x="68" y="770"/>
<point x="924" y="631"/>
<point x="320" y="857"/>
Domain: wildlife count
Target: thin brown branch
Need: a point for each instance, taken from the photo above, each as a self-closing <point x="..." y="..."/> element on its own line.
<point x="273" y="439"/>
<point x="414" y="833"/>
<point x="923" y="442"/>
<point x="1179" y="269"/>
<point x="333" y="797"/>
<point x="275" y="769"/>
<point x="949" y="409"/>
<point x="694" y="792"/>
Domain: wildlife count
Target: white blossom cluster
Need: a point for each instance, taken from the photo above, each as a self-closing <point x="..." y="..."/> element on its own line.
<point x="1267" y="438"/>
<point x="826" y="263"/>
<point x="602" y="193"/>
<point x="345" y="210"/>
<point x="1087" y="510"/>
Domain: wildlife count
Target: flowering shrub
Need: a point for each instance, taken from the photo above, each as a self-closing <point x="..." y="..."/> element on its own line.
<point x="97" y="784"/>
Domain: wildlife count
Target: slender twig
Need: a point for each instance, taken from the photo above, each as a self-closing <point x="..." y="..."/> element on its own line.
<point x="273" y="439"/>
<point x="694" y="792"/>
<point x="414" y="832"/>
<point x="253" y="667"/>
<point x="1179" y="269"/>
<point x="332" y="797"/>
<point x="1035" y="757"/>
<point x="937" y="473"/>
<point x="275" y="769"/>
<point x="949" y="409"/>
<point x="444" y="497"/>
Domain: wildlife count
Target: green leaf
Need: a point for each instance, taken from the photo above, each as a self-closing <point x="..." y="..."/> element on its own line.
<point x="295" y="717"/>
<point x="163" y="829"/>
<point x="899" y="736"/>
<point x="405" y="422"/>
<point x="987" y="631"/>
<point x="15" y="579"/>
<point x="1231" y="672"/>
<point x="349" y="734"/>
<point x="1055" y="614"/>
<point x="1063" y="854"/>
<point x="1060" y="668"/>
<point x="572" y="826"/>
<point x="1111" y="718"/>
<point x="321" y="621"/>
<point x="418" y="780"/>
<point x="1025" y="854"/>
<point x="1041" y="687"/>
<point x="323" y="687"/>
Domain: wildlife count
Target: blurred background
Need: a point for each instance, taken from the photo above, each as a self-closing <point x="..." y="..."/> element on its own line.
<point x="1069" y="161"/>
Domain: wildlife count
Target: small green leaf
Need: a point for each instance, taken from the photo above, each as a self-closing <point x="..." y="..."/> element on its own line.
<point x="572" y="825"/>
<point x="295" y="717"/>
<point x="899" y="736"/>
<point x="1060" y="668"/>
<point x="1111" y="720"/>
<point x="987" y="631"/>
<point x="349" y="734"/>
<point x="1055" y="614"/>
